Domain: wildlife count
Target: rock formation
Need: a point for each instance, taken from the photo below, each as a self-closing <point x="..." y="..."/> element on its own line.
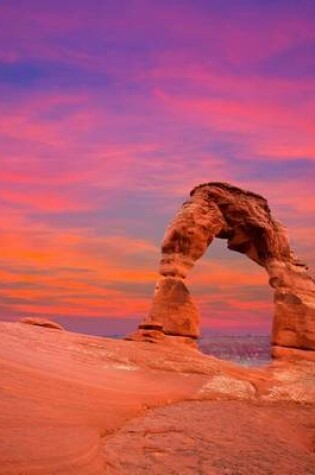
<point x="244" y="219"/>
<point x="41" y="322"/>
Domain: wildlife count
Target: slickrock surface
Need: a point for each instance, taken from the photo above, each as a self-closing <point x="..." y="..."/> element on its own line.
<point x="243" y="218"/>
<point x="216" y="438"/>
<point x="69" y="402"/>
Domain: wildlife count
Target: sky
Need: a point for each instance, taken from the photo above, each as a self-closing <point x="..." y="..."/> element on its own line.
<point x="110" y="113"/>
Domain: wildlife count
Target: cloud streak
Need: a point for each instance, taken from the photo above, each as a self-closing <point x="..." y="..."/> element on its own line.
<point x="111" y="113"/>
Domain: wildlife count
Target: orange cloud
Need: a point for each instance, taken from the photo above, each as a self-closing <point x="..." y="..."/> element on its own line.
<point x="213" y="96"/>
<point x="47" y="201"/>
<point x="60" y="273"/>
<point x="209" y="272"/>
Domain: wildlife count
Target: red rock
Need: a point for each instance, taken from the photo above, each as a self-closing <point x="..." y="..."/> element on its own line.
<point x="244" y="219"/>
<point x="291" y="354"/>
<point x="62" y="394"/>
<point x="215" y="438"/>
<point x="174" y="308"/>
<point x="41" y="322"/>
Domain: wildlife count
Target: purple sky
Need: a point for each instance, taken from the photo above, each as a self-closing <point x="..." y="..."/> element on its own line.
<point x="110" y="113"/>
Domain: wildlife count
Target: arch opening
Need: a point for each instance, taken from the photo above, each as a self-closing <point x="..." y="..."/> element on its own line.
<point x="232" y="294"/>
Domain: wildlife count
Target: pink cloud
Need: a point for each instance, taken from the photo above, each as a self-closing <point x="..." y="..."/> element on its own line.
<point x="265" y="122"/>
<point x="187" y="97"/>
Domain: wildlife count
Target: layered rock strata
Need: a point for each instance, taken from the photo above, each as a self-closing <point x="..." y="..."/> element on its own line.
<point x="244" y="219"/>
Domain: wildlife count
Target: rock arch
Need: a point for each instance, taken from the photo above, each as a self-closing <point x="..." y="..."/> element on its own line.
<point x="244" y="219"/>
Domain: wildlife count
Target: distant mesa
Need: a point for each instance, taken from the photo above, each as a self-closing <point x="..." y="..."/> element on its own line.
<point x="41" y="322"/>
<point x="243" y="218"/>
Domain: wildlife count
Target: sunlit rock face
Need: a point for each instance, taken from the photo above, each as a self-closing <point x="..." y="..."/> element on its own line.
<point x="173" y="306"/>
<point x="244" y="219"/>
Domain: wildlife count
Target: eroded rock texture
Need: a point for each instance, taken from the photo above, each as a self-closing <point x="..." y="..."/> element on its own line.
<point x="244" y="219"/>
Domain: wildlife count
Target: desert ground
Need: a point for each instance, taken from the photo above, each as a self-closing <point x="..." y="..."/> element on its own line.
<point x="76" y="404"/>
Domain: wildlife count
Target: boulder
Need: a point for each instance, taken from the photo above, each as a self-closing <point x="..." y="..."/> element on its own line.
<point x="41" y="322"/>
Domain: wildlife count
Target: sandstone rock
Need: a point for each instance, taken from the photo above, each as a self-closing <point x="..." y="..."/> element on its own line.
<point x="41" y="322"/>
<point x="244" y="219"/>
<point x="291" y="354"/>
<point x="174" y="308"/>
<point x="215" y="438"/>
<point x="64" y="395"/>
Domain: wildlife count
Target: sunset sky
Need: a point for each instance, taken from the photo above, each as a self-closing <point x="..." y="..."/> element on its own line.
<point x="110" y="113"/>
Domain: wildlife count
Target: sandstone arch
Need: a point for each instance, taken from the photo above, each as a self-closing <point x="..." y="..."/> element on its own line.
<point x="244" y="219"/>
